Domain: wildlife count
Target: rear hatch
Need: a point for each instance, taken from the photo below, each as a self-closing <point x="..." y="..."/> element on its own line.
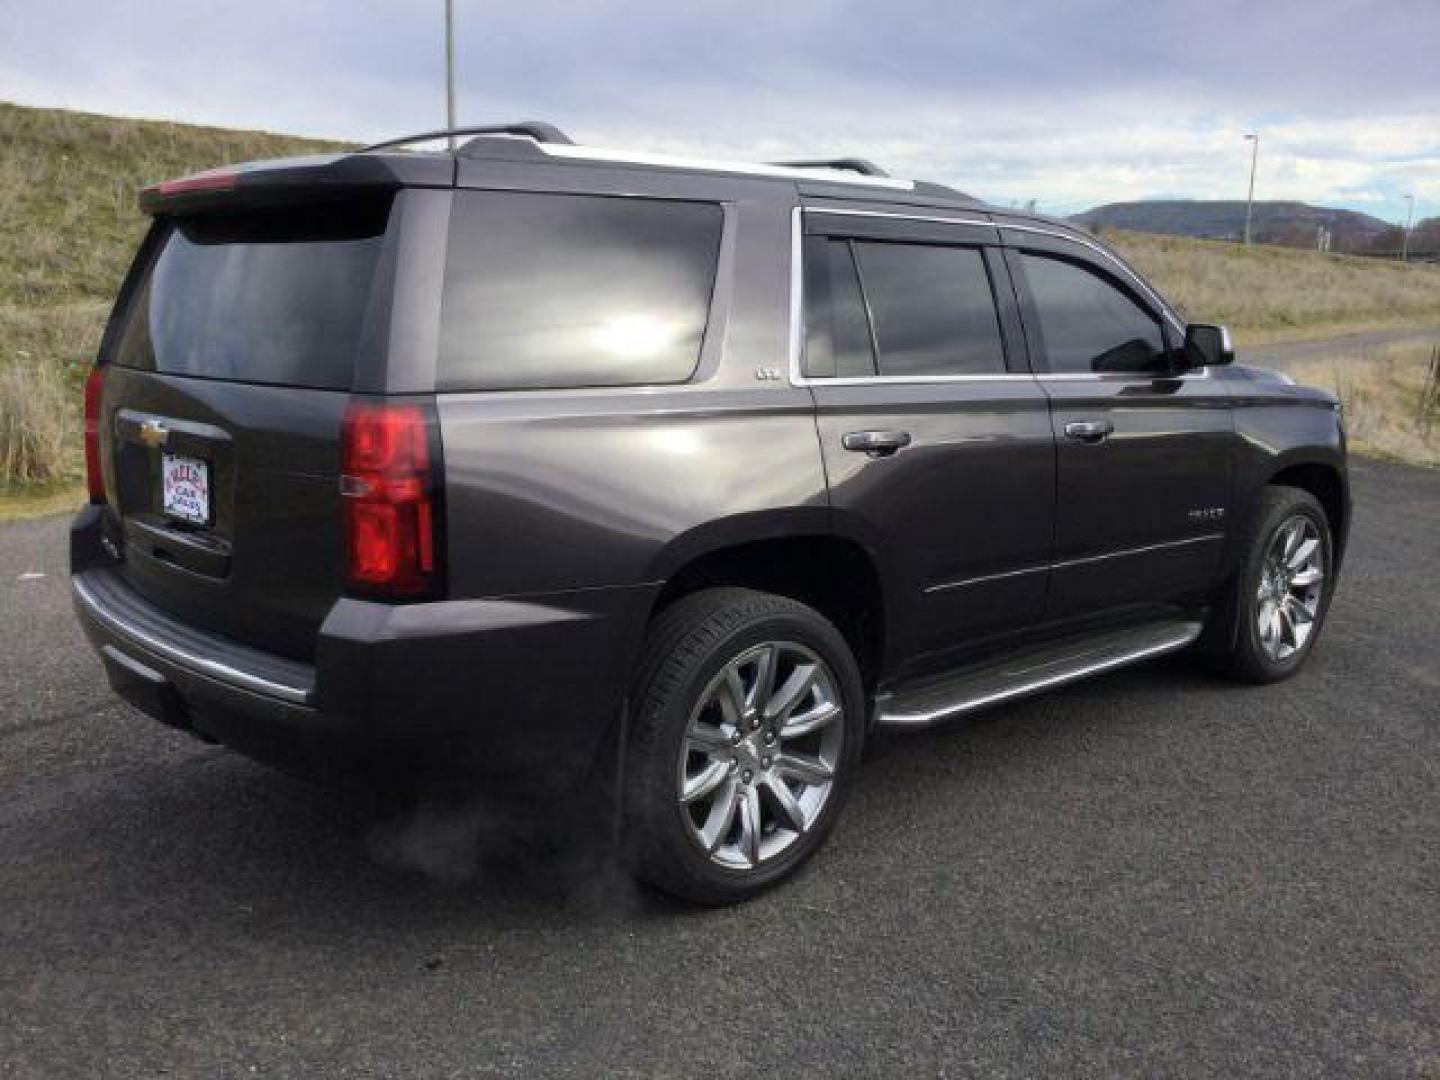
<point x="240" y="337"/>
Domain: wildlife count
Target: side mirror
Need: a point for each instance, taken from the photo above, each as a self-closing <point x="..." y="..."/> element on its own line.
<point x="1207" y="346"/>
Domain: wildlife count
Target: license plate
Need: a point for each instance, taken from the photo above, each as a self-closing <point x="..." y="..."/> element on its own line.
<point x="185" y="488"/>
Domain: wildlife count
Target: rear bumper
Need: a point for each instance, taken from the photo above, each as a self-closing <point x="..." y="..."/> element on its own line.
<point x="522" y="693"/>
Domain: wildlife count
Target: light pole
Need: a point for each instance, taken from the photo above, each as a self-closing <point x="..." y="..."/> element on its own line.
<point x="450" y="70"/>
<point x="1405" y="236"/>
<point x="1254" y="140"/>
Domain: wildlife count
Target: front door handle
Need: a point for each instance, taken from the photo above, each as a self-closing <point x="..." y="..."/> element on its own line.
<point x="1091" y="431"/>
<point x="876" y="444"/>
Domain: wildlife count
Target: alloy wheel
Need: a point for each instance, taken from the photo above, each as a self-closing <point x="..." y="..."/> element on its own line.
<point x="760" y="754"/>
<point x="1291" y="587"/>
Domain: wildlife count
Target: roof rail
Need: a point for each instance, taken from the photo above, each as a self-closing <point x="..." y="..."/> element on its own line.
<point x="538" y="130"/>
<point x="847" y="164"/>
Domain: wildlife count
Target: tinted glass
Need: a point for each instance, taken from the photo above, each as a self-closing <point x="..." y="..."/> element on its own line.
<point x="837" y="330"/>
<point x="1088" y="324"/>
<point x="932" y="309"/>
<point x="277" y="297"/>
<point x="575" y="290"/>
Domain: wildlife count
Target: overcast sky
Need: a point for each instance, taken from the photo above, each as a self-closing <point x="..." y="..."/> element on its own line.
<point x="1070" y="104"/>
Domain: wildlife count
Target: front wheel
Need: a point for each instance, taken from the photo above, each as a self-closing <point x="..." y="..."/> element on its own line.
<point x="1283" y="589"/>
<point x="746" y="731"/>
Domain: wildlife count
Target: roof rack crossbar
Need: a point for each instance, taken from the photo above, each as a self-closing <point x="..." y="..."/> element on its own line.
<point x="538" y="130"/>
<point x="847" y="164"/>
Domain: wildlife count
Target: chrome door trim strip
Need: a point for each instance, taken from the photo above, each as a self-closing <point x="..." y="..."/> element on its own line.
<point x="980" y="579"/>
<point x="1142" y="550"/>
<point x="1061" y="564"/>
<point x="299" y="695"/>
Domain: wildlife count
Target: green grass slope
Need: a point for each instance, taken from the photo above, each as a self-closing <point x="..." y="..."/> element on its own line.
<point x="68" y="218"/>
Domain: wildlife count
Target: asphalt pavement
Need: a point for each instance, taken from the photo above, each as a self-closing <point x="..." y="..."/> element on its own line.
<point x="1155" y="873"/>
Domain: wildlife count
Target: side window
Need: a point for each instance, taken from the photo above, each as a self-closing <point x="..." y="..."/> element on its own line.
<point x="1088" y="324"/>
<point x="837" y="330"/>
<point x="574" y="290"/>
<point x="932" y="309"/>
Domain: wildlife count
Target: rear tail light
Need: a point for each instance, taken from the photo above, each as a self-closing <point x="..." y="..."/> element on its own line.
<point x="94" y="479"/>
<point x="388" y="485"/>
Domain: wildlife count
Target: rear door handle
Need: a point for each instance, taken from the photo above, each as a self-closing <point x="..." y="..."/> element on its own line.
<point x="1089" y="430"/>
<point x="876" y="443"/>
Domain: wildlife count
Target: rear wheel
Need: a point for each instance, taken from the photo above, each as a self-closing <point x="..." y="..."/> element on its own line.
<point x="1283" y="589"/>
<point x="746" y="732"/>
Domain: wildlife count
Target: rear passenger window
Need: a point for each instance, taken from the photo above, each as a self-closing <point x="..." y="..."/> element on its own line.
<point x="837" y="330"/>
<point x="575" y="290"/>
<point x="1088" y="324"/>
<point x="931" y="309"/>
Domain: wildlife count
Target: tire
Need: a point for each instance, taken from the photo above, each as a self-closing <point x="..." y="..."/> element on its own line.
<point x="699" y="689"/>
<point x="1250" y="653"/>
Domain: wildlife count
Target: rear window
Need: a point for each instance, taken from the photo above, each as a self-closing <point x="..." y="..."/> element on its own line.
<point x="837" y="329"/>
<point x="575" y="290"/>
<point x="932" y="309"/>
<point x="277" y="296"/>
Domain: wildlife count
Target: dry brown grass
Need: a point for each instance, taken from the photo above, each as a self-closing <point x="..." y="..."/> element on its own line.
<point x="37" y="440"/>
<point x="1272" y="293"/>
<point x="1384" y="394"/>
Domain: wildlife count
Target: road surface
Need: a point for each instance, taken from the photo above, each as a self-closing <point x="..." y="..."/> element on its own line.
<point x="1345" y="347"/>
<point x="1155" y="873"/>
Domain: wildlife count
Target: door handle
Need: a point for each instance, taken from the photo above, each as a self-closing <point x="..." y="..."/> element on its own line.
<point x="876" y="444"/>
<point x="1091" y="431"/>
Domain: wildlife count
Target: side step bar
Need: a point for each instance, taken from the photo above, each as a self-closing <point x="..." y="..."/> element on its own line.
<point x="923" y="703"/>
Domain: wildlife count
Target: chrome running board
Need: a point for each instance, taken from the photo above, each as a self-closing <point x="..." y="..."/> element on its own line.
<point x="923" y="703"/>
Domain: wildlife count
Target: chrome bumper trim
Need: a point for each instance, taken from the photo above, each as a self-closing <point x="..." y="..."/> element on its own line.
<point x="245" y="680"/>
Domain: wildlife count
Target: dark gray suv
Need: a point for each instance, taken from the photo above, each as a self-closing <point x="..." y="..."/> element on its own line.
<point x="561" y="471"/>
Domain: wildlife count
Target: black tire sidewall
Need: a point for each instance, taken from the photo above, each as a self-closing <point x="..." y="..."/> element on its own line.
<point x="664" y="829"/>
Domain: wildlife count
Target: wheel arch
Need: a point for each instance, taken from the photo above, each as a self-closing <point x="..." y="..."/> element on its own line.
<point x="796" y="554"/>
<point x="1326" y="481"/>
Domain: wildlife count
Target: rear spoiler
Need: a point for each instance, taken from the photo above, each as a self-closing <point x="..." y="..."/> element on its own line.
<point x="299" y="179"/>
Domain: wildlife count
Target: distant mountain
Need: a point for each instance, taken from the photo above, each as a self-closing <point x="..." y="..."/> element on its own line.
<point x="1290" y="223"/>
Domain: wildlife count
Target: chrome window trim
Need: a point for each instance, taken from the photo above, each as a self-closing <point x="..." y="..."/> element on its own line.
<point x="932" y="218"/>
<point x="1113" y="259"/>
<point x="797" y="313"/>
<point x="1062" y="564"/>
<point x="201" y="665"/>
<point x="797" y="316"/>
<point x="746" y="168"/>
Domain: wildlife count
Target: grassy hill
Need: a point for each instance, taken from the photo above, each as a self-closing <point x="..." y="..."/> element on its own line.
<point x="1290" y="223"/>
<point x="67" y="214"/>
<point x="1266" y="293"/>
<point x="68" y="183"/>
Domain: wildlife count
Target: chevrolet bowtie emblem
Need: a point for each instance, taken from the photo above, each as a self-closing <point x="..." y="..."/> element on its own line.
<point x="153" y="433"/>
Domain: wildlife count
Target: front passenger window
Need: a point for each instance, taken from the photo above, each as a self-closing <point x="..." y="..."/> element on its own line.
<point x="1088" y="324"/>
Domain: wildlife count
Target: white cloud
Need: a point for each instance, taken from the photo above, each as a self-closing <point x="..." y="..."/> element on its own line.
<point x="1071" y="103"/>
